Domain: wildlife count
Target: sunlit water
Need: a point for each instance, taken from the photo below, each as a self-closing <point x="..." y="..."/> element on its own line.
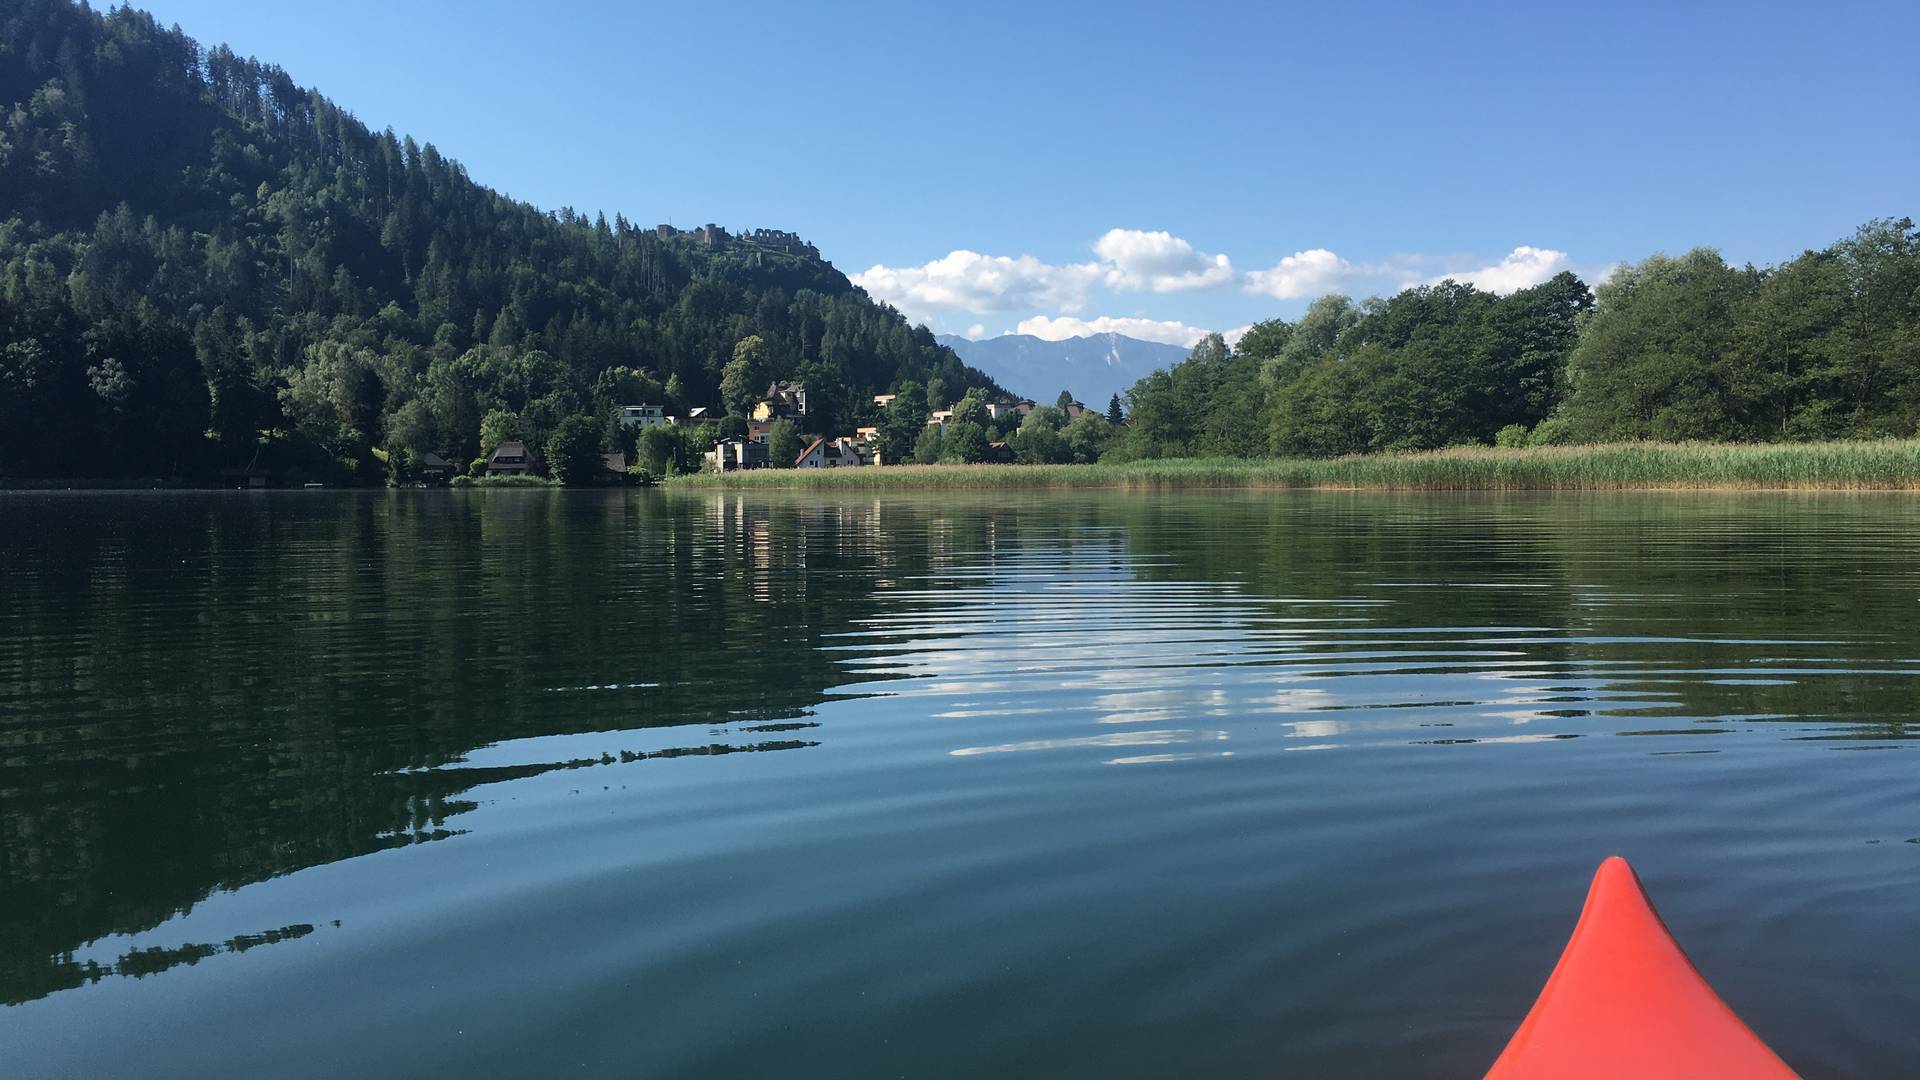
<point x="1113" y="785"/>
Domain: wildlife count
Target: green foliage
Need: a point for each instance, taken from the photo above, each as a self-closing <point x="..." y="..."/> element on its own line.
<point x="971" y="409"/>
<point x="784" y="443"/>
<point x="927" y="447"/>
<point x="1510" y="436"/>
<point x="964" y="442"/>
<point x="1434" y="366"/>
<point x="1086" y="437"/>
<point x="1038" y="441"/>
<point x="831" y="400"/>
<point x="746" y="376"/>
<point x="199" y="249"/>
<point x="1553" y="431"/>
<point x="1825" y="346"/>
<point x="669" y="450"/>
<point x="1207" y="404"/>
<point x="496" y="427"/>
<point x="573" y="450"/>
<point x="1265" y="340"/>
<point x="1211" y="349"/>
<point x="1644" y="365"/>
<point x="903" y="424"/>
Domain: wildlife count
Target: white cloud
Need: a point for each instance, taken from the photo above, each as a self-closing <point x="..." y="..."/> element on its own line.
<point x="1301" y="274"/>
<point x="1234" y="335"/>
<point x="1052" y="329"/>
<point x="971" y="282"/>
<point x="976" y="331"/>
<point x="1129" y="260"/>
<point x="1158" y="262"/>
<point x="1521" y="268"/>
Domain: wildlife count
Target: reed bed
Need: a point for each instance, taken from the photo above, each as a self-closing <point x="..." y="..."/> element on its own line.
<point x="1891" y="465"/>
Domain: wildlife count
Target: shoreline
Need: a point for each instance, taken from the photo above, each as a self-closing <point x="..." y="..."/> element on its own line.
<point x="1884" y="466"/>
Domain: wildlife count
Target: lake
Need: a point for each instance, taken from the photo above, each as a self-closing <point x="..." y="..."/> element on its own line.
<point x="665" y="784"/>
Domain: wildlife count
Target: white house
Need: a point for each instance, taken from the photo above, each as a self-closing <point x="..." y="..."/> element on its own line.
<point x="643" y="416"/>
<point x="838" y="453"/>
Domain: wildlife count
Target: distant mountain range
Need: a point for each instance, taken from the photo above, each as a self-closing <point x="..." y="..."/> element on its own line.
<point x="1093" y="368"/>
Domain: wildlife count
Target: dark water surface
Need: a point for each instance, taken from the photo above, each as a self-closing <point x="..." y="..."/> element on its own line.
<point x="1104" y="785"/>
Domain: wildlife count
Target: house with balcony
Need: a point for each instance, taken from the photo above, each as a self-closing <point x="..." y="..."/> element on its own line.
<point x="643" y="416"/>
<point x="515" y="458"/>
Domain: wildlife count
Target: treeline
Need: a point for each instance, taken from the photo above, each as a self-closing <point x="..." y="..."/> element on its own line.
<point x="1826" y="346"/>
<point x="204" y="266"/>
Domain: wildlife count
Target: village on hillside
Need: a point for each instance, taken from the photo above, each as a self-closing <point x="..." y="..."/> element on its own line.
<point x="755" y="448"/>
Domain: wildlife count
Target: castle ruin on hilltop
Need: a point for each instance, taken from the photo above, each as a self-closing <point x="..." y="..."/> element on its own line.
<point x="714" y="238"/>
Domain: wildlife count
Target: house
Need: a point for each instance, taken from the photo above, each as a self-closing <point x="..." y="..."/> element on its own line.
<point x="616" y="467"/>
<point x="939" y="417"/>
<point x="250" y="477"/>
<point x="759" y="430"/>
<point x="866" y="434"/>
<point x="643" y="416"/>
<point x="999" y="453"/>
<point x="513" y="458"/>
<point x="884" y="400"/>
<point x="434" y="469"/>
<point x="699" y="414"/>
<point x="1075" y="410"/>
<point x="736" y="454"/>
<point x="782" y="399"/>
<point x="1023" y="406"/>
<point x="837" y="453"/>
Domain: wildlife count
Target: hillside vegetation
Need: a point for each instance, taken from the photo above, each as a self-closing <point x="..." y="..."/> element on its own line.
<point x="206" y="266"/>
<point x="1825" y="346"/>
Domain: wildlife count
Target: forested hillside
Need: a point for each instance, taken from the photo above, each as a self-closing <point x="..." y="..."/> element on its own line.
<point x="1826" y="346"/>
<point x="204" y="266"/>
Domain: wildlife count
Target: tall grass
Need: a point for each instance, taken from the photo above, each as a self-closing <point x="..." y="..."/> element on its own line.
<point x="1837" y="466"/>
<point x="506" y="480"/>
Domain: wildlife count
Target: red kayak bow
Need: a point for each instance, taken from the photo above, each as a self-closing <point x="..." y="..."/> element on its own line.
<point x="1625" y="1001"/>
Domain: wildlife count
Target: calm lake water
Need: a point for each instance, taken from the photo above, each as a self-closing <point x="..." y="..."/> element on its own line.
<point x="1095" y="785"/>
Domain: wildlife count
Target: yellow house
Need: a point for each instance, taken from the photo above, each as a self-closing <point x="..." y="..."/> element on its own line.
<point x="783" y="399"/>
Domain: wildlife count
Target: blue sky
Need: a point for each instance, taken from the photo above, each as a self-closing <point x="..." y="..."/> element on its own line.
<point x="986" y="166"/>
